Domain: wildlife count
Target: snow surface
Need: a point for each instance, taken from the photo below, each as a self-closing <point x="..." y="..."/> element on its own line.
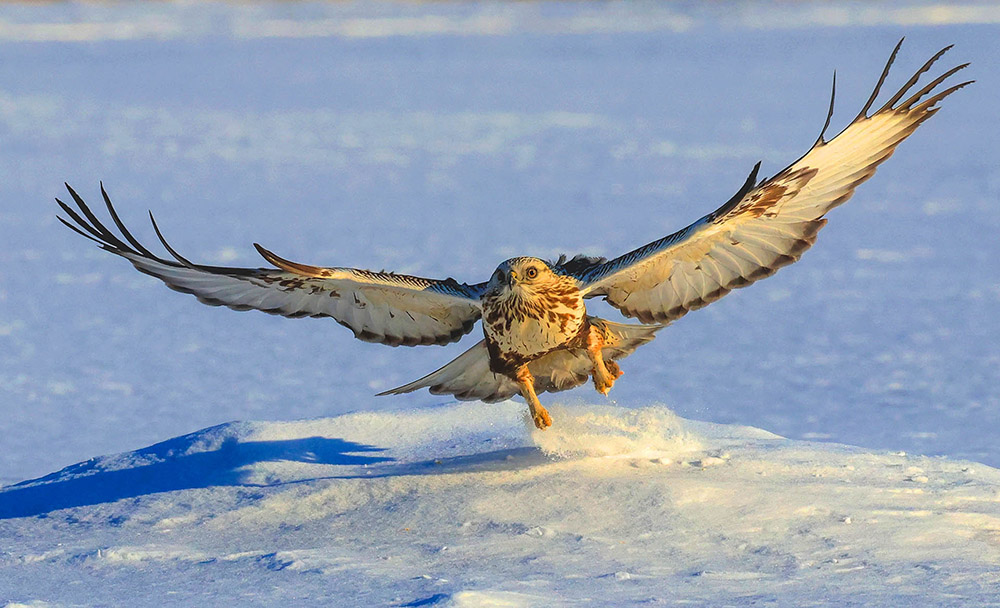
<point x="440" y="139"/>
<point x="469" y="506"/>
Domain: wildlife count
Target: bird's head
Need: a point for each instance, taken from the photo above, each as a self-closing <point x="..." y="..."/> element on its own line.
<point x="523" y="276"/>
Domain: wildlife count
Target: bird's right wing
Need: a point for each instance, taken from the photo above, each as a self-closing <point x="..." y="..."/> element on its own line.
<point x="384" y="307"/>
<point x="469" y="378"/>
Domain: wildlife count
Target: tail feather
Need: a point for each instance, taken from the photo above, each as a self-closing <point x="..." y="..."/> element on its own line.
<point x="468" y="377"/>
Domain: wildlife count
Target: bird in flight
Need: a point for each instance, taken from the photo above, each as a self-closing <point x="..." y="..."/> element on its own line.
<point x="538" y="336"/>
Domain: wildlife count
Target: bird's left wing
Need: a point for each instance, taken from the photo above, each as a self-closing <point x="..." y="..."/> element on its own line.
<point x="388" y="308"/>
<point x="766" y="225"/>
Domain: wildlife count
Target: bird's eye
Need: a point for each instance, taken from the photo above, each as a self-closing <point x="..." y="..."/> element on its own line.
<point x="531" y="272"/>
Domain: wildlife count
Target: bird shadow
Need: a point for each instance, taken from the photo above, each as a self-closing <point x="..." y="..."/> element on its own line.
<point x="181" y="464"/>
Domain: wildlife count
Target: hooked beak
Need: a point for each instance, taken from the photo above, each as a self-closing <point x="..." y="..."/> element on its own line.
<point x="511" y="278"/>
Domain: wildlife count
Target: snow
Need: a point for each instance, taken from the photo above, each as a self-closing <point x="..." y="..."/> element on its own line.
<point x="440" y="139"/>
<point x="468" y="505"/>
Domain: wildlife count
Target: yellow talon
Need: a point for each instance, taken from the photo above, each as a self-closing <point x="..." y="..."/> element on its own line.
<point x="541" y="418"/>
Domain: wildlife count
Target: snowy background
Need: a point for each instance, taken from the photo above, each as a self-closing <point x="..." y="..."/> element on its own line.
<point x="438" y="140"/>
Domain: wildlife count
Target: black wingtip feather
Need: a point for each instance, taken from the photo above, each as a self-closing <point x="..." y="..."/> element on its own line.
<point x="913" y="79"/>
<point x="80" y="221"/>
<point x="167" y="246"/>
<point x="96" y="223"/>
<point x="94" y="226"/>
<point x="908" y="103"/>
<point x="121" y="225"/>
<point x="928" y="104"/>
<point x="829" y="112"/>
<point x="878" y="86"/>
<point x="80" y="232"/>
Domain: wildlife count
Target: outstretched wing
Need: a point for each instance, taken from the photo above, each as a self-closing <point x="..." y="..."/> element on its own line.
<point x="383" y="307"/>
<point x="468" y="377"/>
<point x="766" y="225"/>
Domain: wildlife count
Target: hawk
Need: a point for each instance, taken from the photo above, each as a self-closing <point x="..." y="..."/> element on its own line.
<point x="538" y="336"/>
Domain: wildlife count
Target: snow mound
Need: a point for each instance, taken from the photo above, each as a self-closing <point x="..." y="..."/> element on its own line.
<point x="464" y="505"/>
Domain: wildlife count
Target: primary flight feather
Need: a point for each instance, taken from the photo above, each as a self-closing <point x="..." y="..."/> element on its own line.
<point x="537" y="334"/>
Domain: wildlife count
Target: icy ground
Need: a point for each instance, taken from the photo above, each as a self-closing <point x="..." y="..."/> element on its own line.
<point x="440" y="139"/>
<point x="453" y="506"/>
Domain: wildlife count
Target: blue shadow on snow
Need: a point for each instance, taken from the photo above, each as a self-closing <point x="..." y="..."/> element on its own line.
<point x="167" y="466"/>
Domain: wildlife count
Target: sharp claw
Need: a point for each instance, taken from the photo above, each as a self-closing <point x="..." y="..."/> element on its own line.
<point x="542" y="419"/>
<point x="603" y="382"/>
<point x="615" y="371"/>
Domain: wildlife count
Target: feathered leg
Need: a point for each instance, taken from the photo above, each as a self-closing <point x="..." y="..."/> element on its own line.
<point x="604" y="372"/>
<point x="539" y="414"/>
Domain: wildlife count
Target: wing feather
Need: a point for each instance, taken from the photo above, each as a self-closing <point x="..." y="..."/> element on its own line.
<point x="379" y="307"/>
<point x="766" y="225"/>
